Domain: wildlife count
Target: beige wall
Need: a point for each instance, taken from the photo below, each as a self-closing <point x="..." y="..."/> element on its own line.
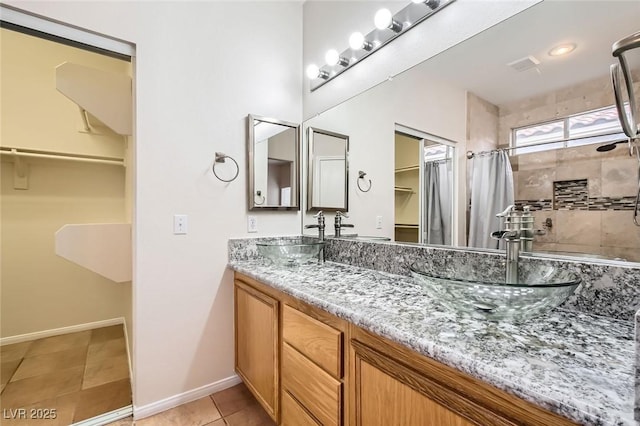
<point x="612" y="174"/>
<point x="34" y="114"/>
<point x="415" y="100"/>
<point x="193" y="93"/>
<point x="41" y="291"/>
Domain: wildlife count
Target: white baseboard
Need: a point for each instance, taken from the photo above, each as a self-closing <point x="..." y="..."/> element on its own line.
<point x="58" y="331"/>
<point x="107" y="418"/>
<point x="140" y="412"/>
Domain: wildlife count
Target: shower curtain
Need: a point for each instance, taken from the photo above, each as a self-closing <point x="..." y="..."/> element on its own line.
<point x="491" y="193"/>
<point x="438" y="185"/>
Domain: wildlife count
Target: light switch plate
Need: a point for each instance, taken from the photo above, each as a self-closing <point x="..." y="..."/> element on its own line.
<point x="378" y="222"/>
<point x="252" y="224"/>
<point x="180" y="224"/>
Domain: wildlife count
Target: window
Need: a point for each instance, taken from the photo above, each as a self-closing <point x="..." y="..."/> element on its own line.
<point x="590" y="127"/>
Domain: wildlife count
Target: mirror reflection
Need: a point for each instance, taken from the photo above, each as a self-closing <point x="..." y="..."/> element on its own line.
<point x="328" y="170"/>
<point x="273" y="147"/>
<point x="504" y="94"/>
<point x="423" y="189"/>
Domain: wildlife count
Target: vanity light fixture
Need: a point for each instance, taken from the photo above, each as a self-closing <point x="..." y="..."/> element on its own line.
<point x="332" y="57"/>
<point x="363" y="45"/>
<point x="357" y="42"/>
<point x="431" y="3"/>
<point x="562" y="49"/>
<point x="384" y="19"/>
<point x="313" y="71"/>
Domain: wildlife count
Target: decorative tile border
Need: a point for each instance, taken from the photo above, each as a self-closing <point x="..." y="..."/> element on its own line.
<point x="536" y="205"/>
<point x="574" y="195"/>
<point x="571" y="195"/>
<point x="611" y="203"/>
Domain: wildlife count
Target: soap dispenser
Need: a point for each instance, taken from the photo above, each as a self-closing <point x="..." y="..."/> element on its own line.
<point x="526" y="228"/>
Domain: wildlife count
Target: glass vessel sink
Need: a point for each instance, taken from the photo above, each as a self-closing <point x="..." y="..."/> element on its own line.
<point x="290" y="251"/>
<point x="483" y="293"/>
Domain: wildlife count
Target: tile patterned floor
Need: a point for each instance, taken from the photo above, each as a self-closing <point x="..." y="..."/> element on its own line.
<point x="231" y="407"/>
<point x="80" y="375"/>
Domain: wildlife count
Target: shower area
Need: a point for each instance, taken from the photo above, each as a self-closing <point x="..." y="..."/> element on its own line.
<point x="66" y="230"/>
<point x="572" y="165"/>
<point x="424" y="182"/>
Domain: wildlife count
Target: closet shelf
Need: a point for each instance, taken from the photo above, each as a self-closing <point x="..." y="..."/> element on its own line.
<point x="103" y="248"/>
<point x="406" y="226"/>
<point x="404" y="189"/>
<point x="105" y="95"/>
<point x="407" y="169"/>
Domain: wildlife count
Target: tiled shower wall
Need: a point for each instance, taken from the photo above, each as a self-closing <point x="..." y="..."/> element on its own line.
<point x="586" y="217"/>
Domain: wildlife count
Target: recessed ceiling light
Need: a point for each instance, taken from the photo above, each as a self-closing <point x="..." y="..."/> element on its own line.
<point x="562" y="49"/>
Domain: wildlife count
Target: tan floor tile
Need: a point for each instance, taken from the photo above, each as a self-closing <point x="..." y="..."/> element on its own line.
<point x="197" y="413"/>
<point x="59" y="343"/>
<point x="219" y="422"/>
<point x="105" y="370"/>
<point x="14" y="352"/>
<point x="104" y="334"/>
<point x="50" y="363"/>
<point x="254" y="415"/>
<point x="53" y="412"/>
<point x="108" y="349"/>
<point x="27" y="391"/>
<point x="7" y="369"/>
<point x="233" y="399"/>
<point x="102" y="399"/>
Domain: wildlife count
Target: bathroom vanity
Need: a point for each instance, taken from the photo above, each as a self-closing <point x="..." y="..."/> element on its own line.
<point x="308" y="367"/>
<point x="339" y="344"/>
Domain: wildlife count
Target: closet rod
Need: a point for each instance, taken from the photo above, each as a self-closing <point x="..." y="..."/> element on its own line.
<point x="53" y="156"/>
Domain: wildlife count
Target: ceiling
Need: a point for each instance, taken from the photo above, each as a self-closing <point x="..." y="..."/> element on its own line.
<point x="480" y="63"/>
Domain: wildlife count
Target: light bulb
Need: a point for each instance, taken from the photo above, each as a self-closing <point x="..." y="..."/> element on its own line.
<point x="332" y="57"/>
<point x="356" y="41"/>
<point x="383" y="19"/>
<point x="313" y="71"/>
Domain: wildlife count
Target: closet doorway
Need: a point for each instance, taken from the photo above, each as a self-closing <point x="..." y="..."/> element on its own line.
<point x="424" y="187"/>
<point x="66" y="195"/>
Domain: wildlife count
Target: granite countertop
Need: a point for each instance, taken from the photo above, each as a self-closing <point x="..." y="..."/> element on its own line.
<point x="575" y="364"/>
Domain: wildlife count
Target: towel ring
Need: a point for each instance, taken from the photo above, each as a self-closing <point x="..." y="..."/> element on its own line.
<point x="361" y="175"/>
<point x="220" y="158"/>
<point x="262" y="199"/>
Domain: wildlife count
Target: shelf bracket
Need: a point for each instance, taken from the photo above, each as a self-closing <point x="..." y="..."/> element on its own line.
<point x="86" y="127"/>
<point x="20" y="172"/>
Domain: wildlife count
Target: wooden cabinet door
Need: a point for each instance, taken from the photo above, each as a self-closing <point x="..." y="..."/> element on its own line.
<point x="387" y="393"/>
<point x="386" y="401"/>
<point x="256" y="345"/>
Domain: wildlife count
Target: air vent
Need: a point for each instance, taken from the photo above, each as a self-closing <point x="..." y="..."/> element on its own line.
<point x="524" y="64"/>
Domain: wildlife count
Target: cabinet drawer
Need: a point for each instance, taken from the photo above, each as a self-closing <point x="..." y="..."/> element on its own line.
<point x="316" y="390"/>
<point x="293" y="414"/>
<point x="316" y="340"/>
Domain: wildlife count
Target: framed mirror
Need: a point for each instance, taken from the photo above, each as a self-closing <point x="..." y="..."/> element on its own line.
<point x="328" y="170"/>
<point x="273" y="148"/>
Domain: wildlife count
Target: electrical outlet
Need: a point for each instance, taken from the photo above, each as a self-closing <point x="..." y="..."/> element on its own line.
<point x="180" y="224"/>
<point x="252" y="224"/>
<point x="378" y="222"/>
